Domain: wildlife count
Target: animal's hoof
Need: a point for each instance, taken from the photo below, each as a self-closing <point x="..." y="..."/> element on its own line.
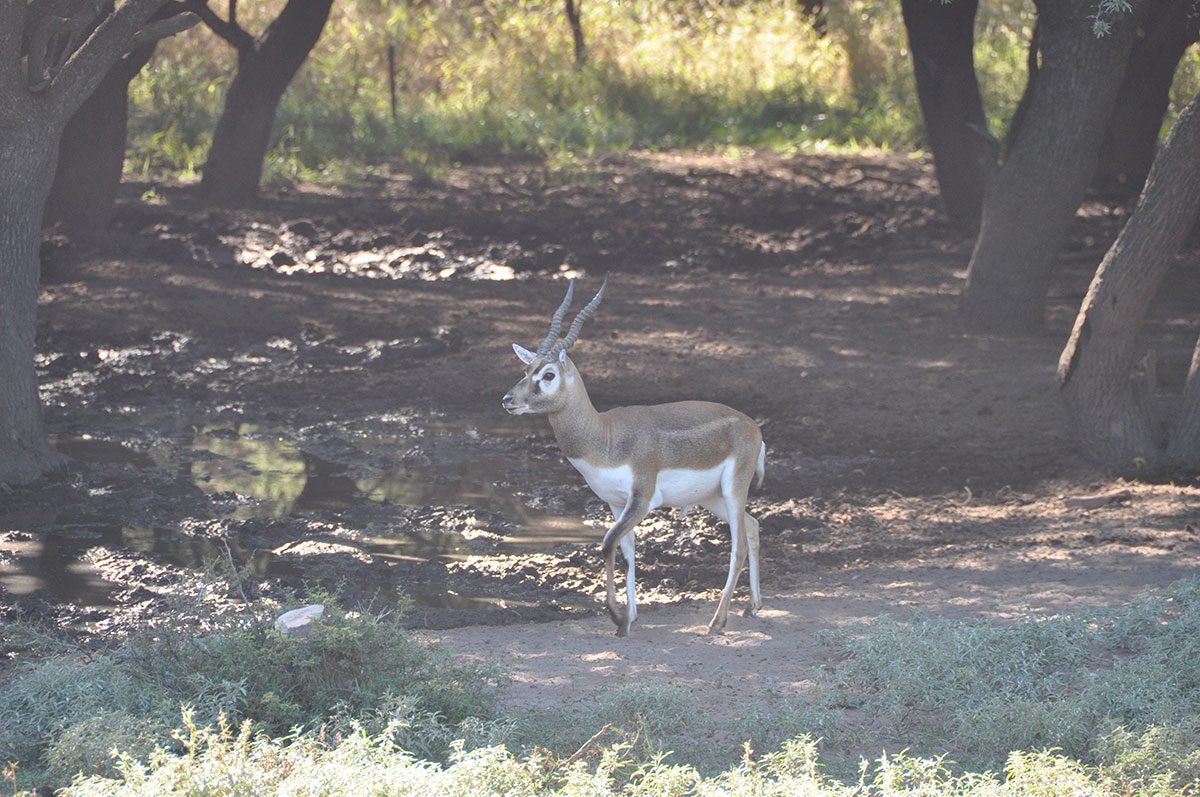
<point x="751" y="611"/>
<point x="622" y="630"/>
<point x="716" y="630"/>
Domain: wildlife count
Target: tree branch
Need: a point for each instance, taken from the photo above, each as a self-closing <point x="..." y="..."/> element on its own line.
<point x="234" y="34"/>
<point x="162" y="29"/>
<point x="89" y="64"/>
<point x="55" y="37"/>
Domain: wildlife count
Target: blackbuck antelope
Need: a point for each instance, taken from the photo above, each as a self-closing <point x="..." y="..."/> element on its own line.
<point x="637" y="459"/>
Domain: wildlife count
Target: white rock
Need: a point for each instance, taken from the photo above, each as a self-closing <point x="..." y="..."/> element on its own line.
<point x="299" y="623"/>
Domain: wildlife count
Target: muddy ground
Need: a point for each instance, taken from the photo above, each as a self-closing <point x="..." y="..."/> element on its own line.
<point x="306" y="393"/>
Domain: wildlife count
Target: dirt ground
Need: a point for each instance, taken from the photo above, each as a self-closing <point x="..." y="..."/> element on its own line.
<point x="307" y="392"/>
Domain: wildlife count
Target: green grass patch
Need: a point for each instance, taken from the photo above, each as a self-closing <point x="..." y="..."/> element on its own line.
<point x="1100" y="702"/>
<point x="67" y="712"/>
<point x="480" y="81"/>
<point x="233" y="761"/>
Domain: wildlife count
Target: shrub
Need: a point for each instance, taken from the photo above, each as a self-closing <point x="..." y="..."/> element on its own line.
<point x="90" y="746"/>
<point x="354" y="671"/>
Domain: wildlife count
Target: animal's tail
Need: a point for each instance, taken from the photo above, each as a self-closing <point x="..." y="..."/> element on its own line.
<point x="760" y="470"/>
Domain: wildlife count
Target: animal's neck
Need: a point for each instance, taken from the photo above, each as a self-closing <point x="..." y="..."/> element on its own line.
<point x="578" y="428"/>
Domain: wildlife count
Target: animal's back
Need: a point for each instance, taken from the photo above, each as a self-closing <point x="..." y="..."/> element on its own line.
<point x="694" y="434"/>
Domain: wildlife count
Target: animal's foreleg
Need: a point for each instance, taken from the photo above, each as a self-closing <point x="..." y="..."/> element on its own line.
<point x="635" y="509"/>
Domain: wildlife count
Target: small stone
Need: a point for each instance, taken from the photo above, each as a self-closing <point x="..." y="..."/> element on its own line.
<point x="299" y="623"/>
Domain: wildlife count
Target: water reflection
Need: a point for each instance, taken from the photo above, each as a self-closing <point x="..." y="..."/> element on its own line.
<point x="246" y="462"/>
<point x="259" y="472"/>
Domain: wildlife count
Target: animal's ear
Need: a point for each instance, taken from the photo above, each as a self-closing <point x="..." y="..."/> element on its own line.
<point x="524" y="354"/>
<point x="562" y="356"/>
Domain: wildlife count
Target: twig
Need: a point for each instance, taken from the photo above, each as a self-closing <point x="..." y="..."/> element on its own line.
<point x="584" y="747"/>
<point x="1098" y="500"/>
<point x="512" y="189"/>
<point x="233" y="568"/>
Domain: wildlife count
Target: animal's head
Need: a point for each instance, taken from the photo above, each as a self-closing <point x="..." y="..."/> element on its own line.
<point x="550" y="376"/>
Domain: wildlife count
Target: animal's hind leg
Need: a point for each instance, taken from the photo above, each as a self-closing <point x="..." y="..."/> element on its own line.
<point x="730" y="512"/>
<point x="751" y="527"/>
<point x="628" y="550"/>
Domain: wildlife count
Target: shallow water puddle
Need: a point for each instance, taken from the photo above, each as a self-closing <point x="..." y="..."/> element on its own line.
<point x="456" y="474"/>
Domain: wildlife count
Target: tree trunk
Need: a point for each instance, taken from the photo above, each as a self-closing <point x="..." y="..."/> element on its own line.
<point x="1183" y="450"/>
<point x="941" y="37"/>
<point x="1109" y="397"/>
<point x="1131" y="138"/>
<point x="60" y="68"/>
<point x="1031" y="198"/>
<point x="26" y="170"/>
<point x="576" y="23"/>
<point x="235" y="162"/>
<point x="91" y="155"/>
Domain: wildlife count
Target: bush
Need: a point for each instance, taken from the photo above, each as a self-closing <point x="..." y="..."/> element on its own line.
<point x="90" y="746"/>
<point x="354" y="671"/>
<point x="244" y="764"/>
<point x="478" y="81"/>
<point x="979" y="689"/>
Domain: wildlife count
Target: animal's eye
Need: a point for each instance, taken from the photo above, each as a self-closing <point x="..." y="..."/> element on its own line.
<point x="546" y="377"/>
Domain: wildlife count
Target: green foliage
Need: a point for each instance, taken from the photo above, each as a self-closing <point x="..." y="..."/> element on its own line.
<point x="232" y="761"/>
<point x="90" y="746"/>
<point x="979" y="689"/>
<point x="1114" y="694"/>
<point x="354" y="671"/>
<point x="482" y="80"/>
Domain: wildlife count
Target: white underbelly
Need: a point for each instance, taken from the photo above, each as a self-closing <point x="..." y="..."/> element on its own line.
<point x="611" y="485"/>
<point x="685" y="486"/>
<point x="673" y="487"/>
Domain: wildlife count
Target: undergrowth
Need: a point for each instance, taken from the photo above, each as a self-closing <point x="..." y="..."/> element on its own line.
<point x="231" y="761"/>
<point x="483" y="80"/>
<point x="68" y="711"/>
<point x="1101" y="702"/>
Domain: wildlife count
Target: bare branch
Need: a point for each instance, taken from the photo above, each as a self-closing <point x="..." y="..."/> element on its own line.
<point x="162" y="29"/>
<point x="234" y="34"/>
<point x="88" y="65"/>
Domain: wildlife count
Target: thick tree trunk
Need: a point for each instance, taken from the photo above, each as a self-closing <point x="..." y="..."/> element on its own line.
<point x="91" y="155"/>
<point x="1131" y="137"/>
<point x="1183" y="449"/>
<point x="1108" y="388"/>
<point x="50" y="67"/>
<point x="1031" y="198"/>
<point x="235" y="162"/>
<point x="27" y="158"/>
<point x="941" y="37"/>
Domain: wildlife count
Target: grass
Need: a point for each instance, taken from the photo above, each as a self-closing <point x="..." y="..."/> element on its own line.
<point x="483" y="81"/>
<point x="67" y="711"/>
<point x="478" y="81"/>
<point x="1103" y="702"/>
<point x="233" y="761"/>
